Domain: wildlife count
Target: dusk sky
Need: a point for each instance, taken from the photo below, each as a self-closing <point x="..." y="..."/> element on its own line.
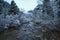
<point x="25" y="4"/>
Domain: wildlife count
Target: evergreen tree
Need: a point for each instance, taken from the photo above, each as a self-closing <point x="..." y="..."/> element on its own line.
<point x="58" y="7"/>
<point x="1" y="6"/>
<point x="47" y="7"/>
<point x="13" y="8"/>
<point x="58" y="12"/>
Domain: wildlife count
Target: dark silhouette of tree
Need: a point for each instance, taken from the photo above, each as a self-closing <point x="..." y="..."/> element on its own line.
<point x="1" y="6"/>
<point x="13" y="8"/>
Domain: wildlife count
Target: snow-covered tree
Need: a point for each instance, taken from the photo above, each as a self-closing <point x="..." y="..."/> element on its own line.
<point x="47" y="9"/>
<point x="58" y="7"/>
<point x="58" y="14"/>
<point x="37" y="12"/>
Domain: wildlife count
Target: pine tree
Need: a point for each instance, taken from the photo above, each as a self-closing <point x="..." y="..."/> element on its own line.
<point x="13" y="8"/>
<point x="1" y="6"/>
<point x="58" y="13"/>
<point x="1" y="1"/>
<point x="47" y="7"/>
<point x="58" y="7"/>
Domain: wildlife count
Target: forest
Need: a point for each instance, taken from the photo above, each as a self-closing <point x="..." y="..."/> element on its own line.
<point x="41" y="23"/>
